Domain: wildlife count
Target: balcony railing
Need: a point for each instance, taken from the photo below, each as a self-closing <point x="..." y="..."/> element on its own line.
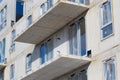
<point x="47" y="19"/>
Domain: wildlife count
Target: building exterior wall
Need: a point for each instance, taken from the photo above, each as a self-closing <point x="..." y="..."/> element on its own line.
<point x="102" y="49"/>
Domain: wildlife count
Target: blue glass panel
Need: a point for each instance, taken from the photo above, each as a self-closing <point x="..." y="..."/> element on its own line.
<point x="42" y="53"/>
<point x="19" y="7"/>
<point x="2" y="51"/>
<point x="82" y="37"/>
<point x="49" y="4"/>
<point x="0" y="1"/>
<point x="83" y="44"/>
<point x="107" y="30"/>
<point x="1" y="75"/>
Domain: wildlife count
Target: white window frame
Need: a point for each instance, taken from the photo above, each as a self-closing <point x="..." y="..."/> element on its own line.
<point x="101" y="21"/>
<point x="28" y="68"/>
<point x="12" y="46"/>
<point x="104" y="64"/>
<point x="3" y="14"/>
<point x="29" y="20"/>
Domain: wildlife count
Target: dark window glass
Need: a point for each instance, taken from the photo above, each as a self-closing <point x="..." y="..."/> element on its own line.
<point x="28" y="62"/>
<point x="19" y="9"/>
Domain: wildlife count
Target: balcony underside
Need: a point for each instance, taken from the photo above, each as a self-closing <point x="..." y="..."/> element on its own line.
<point x="54" y="19"/>
<point x="2" y="66"/>
<point x="57" y="67"/>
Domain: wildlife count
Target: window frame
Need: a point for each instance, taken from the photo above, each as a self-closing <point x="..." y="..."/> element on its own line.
<point x="28" y="60"/>
<point x="47" y="55"/>
<point x="43" y="8"/>
<point x="49" y="4"/>
<point x="23" y="10"/>
<point x="2" y="51"/>
<point x="1" y="75"/>
<point x="29" y="20"/>
<point x="13" y="35"/>
<point x="104" y="67"/>
<point x="3" y="17"/>
<point x="12" y="72"/>
<point x="108" y="23"/>
<point x="79" y="40"/>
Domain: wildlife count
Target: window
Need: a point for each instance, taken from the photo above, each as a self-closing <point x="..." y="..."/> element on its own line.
<point x="81" y="1"/>
<point x="12" y="72"/>
<point x="28" y="62"/>
<point x="1" y="75"/>
<point x="106" y="19"/>
<point x="43" y="8"/>
<point x="19" y="9"/>
<point x="12" y="47"/>
<point x="82" y="75"/>
<point x="109" y="69"/>
<point x="77" y="38"/>
<point x="2" y="51"/>
<point x="49" y="4"/>
<point x="3" y="17"/>
<point x="29" y="20"/>
<point x="0" y="1"/>
<point x="46" y="51"/>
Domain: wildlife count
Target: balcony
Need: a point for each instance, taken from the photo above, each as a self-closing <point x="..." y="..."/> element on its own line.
<point x="56" y="67"/>
<point x="49" y="21"/>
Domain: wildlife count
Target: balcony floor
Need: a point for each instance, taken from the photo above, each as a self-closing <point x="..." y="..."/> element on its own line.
<point x="57" y="67"/>
<point x="54" y="19"/>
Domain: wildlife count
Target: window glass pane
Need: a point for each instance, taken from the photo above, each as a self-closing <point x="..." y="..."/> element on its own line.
<point x="0" y="1"/>
<point x="1" y="75"/>
<point x="0" y="20"/>
<point x="42" y="53"/>
<point x="29" y="62"/>
<point x="29" y="20"/>
<point x="73" y="0"/>
<point x="82" y="75"/>
<point x="49" y="49"/>
<point x="0" y="52"/>
<point x="82" y="1"/>
<point x="13" y="34"/>
<point x="3" y="17"/>
<point x="19" y="9"/>
<point x="43" y="8"/>
<point x="106" y="9"/>
<point x="107" y="30"/>
<point x="82" y="37"/>
<point x="109" y="70"/>
<point x="73" y="39"/>
<point x="12" y="72"/>
<point x="49" y="4"/>
<point x="5" y="14"/>
<point x="106" y="19"/>
<point x="77" y="38"/>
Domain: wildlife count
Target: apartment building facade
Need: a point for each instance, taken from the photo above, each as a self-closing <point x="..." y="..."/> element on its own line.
<point x="59" y="40"/>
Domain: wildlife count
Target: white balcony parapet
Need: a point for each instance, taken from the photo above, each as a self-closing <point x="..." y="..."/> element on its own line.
<point x="56" y="66"/>
<point x="44" y="25"/>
